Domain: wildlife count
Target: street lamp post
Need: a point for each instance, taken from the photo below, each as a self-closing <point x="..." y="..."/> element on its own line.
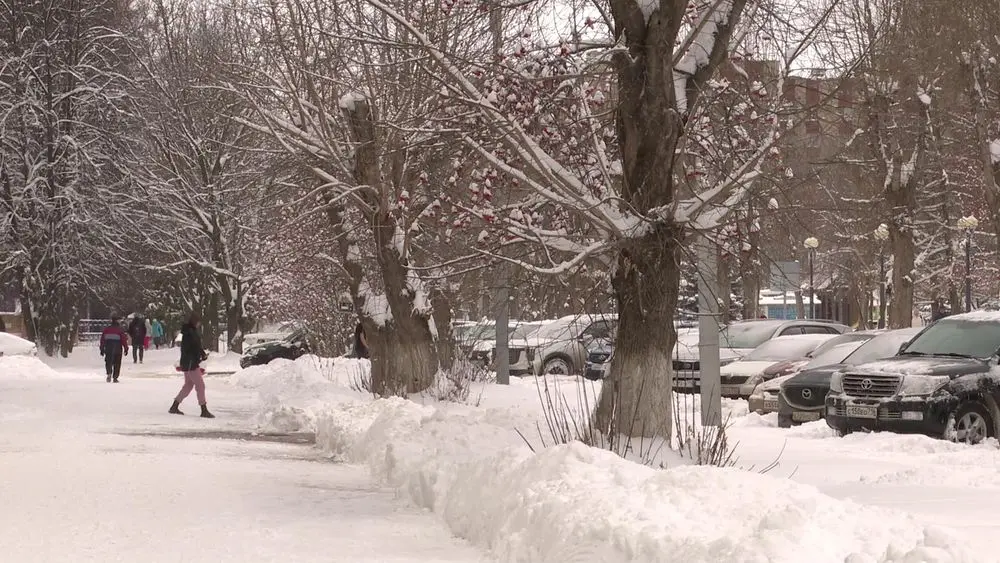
<point x="969" y="224"/>
<point x="881" y="235"/>
<point x="812" y="243"/>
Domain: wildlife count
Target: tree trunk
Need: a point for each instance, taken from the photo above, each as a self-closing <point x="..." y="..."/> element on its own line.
<point x="404" y="358"/>
<point x="442" y="314"/>
<point x="210" y="324"/>
<point x="636" y="401"/>
<point x="903" y="257"/>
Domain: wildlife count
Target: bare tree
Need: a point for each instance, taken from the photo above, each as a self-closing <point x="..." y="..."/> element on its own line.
<point x="62" y="102"/>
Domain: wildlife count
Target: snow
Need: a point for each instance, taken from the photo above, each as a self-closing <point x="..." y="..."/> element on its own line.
<point x="350" y="100"/>
<point x="648" y="7"/>
<point x="995" y="151"/>
<point x="24" y="367"/>
<point x="977" y="317"/>
<point x="923" y="96"/>
<point x="97" y="472"/>
<point x="571" y="502"/>
<point x="700" y="46"/>
<point x="11" y="345"/>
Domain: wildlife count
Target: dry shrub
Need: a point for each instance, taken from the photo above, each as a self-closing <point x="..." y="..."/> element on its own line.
<point x="568" y="422"/>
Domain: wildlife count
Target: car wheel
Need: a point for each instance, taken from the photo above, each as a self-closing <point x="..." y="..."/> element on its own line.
<point x="973" y="424"/>
<point x="784" y="420"/>
<point x="557" y="366"/>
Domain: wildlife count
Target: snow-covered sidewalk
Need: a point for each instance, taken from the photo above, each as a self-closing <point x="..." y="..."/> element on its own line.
<point x="91" y="471"/>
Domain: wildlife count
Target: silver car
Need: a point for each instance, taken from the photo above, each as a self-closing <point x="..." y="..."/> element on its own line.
<point x="562" y="345"/>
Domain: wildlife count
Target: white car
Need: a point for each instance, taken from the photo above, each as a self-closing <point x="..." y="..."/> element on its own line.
<point x="740" y="378"/>
<point x="736" y="341"/>
<point x="11" y="345"/>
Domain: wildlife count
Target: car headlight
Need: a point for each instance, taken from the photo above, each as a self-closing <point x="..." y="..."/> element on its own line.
<point x="922" y="384"/>
<point x="837" y="382"/>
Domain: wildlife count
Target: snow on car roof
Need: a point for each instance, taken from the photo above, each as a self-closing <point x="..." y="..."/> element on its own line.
<point x="976" y="317"/>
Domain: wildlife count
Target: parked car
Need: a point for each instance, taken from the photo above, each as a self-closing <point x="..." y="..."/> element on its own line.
<point x="737" y="340"/>
<point x="562" y="345"/>
<point x="291" y="347"/>
<point x="740" y="378"/>
<point x="11" y="345"/>
<point x="764" y="398"/>
<point x="599" y="354"/>
<point x="271" y="333"/>
<point x="599" y="359"/>
<point x="843" y="343"/>
<point x="479" y="346"/>
<point x="942" y="383"/>
<point x="803" y="395"/>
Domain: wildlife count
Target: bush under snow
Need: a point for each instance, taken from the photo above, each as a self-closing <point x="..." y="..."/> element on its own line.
<point x="576" y="503"/>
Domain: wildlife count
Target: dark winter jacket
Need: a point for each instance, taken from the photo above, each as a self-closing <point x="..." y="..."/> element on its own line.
<point x="360" y="349"/>
<point x="113" y="340"/>
<point x="137" y="330"/>
<point x="192" y="353"/>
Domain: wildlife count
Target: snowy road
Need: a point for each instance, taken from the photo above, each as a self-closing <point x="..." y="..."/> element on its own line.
<point x="91" y="471"/>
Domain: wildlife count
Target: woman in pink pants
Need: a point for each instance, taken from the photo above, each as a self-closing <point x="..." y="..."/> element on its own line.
<point x="192" y="354"/>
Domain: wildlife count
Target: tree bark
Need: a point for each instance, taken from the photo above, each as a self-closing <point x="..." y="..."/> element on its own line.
<point x="646" y="284"/>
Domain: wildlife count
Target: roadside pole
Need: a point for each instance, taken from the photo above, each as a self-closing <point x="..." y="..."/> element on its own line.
<point x="502" y="360"/>
<point x="708" y="333"/>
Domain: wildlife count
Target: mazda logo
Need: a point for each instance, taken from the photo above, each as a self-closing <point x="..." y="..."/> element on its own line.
<point x="807" y="393"/>
<point x="867" y="384"/>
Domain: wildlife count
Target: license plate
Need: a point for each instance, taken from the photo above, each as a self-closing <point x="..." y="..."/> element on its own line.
<point x="805" y="416"/>
<point x="770" y="404"/>
<point x="855" y="411"/>
<point x="729" y="389"/>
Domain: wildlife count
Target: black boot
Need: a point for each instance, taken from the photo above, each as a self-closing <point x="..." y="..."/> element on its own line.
<point x="175" y="408"/>
<point x="205" y="413"/>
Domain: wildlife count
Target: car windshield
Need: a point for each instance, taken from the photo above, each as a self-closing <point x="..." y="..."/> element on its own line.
<point x="558" y="330"/>
<point x="956" y="336"/>
<point x="882" y="346"/>
<point x="489" y="332"/>
<point x="782" y="348"/>
<point x="859" y="337"/>
<point x="746" y="335"/>
<point x="833" y="355"/>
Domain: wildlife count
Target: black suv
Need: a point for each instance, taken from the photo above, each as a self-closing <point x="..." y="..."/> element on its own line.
<point x="943" y="383"/>
<point x="291" y="347"/>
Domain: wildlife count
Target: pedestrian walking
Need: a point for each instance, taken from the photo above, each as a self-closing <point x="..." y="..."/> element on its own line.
<point x="114" y="346"/>
<point x="137" y="331"/>
<point x="157" y="333"/>
<point x="147" y="340"/>
<point x="192" y="355"/>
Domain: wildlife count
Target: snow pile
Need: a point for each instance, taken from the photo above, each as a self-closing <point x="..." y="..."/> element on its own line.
<point x="11" y="345"/>
<point x="24" y="367"/>
<point x="576" y="503"/>
<point x="292" y="393"/>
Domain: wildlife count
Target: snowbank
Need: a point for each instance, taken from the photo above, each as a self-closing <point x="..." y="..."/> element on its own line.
<point x="24" y="367"/>
<point x="292" y="393"/>
<point x="576" y="503"/>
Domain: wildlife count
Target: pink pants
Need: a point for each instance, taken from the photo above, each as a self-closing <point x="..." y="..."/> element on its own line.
<point x="193" y="380"/>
